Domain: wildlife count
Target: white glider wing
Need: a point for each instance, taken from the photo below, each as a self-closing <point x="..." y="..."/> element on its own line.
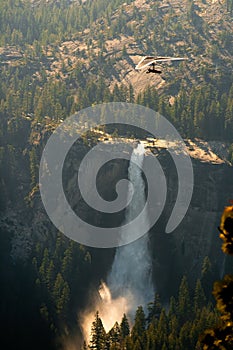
<point x="145" y="61"/>
<point x="149" y="60"/>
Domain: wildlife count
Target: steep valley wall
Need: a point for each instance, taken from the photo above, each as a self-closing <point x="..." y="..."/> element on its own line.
<point x="175" y="254"/>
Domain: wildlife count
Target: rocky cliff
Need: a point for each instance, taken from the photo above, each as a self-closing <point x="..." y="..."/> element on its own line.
<point x="183" y="251"/>
<point x="175" y="254"/>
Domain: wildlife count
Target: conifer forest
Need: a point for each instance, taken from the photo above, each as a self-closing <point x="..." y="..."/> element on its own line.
<point x="57" y="58"/>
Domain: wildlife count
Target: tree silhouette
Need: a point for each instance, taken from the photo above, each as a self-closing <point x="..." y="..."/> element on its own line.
<point x="125" y="330"/>
<point x="221" y="337"/>
<point x="226" y="230"/>
<point x="98" y="334"/>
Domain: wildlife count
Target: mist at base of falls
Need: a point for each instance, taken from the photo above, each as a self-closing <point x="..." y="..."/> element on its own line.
<point x="129" y="283"/>
<point x="131" y="274"/>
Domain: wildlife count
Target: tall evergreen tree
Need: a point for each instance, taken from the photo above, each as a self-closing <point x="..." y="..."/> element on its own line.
<point x="98" y="334"/>
<point x="124" y="326"/>
<point x="222" y="336"/>
<point x="184" y="305"/>
<point x="139" y="324"/>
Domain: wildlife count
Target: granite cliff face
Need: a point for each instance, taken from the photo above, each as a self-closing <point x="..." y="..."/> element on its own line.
<point x="175" y="254"/>
<point x="183" y="251"/>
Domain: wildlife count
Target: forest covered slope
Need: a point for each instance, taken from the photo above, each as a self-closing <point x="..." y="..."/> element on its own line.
<point x="64" y="56"/>
<point x="58" y="57"/>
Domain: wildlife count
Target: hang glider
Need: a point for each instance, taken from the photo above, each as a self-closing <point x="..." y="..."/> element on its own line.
<point x="151" y="61"/>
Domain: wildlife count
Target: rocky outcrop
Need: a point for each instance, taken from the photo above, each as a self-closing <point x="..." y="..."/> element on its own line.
<point x="183" y="251"/>
<point x="175" y="254"/>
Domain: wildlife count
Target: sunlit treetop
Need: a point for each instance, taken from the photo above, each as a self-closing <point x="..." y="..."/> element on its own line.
<point x="226" y="230"/>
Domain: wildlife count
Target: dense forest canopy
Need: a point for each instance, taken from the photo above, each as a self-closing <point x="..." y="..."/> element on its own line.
<point x="43" y="74"/>
<point x="178" y="327"/>
<point x="56" y="58"/>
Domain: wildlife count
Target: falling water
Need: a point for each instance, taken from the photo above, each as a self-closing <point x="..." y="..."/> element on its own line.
<point x="129" y="283"/>
<point x="131" y="275"/>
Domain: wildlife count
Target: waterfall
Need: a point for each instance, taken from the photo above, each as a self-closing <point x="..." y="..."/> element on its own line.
<point x="131" y="272"/>
<point x="129" y="283"/>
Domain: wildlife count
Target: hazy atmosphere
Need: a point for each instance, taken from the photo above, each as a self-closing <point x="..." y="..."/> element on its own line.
<point x="116" y="174"/>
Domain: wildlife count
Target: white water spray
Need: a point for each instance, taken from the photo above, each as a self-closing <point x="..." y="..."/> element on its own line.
<point x="129" y="283"/>
<point x="131" y="274"/>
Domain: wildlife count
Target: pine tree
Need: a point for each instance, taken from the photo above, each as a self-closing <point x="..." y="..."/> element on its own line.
<point x="173" y="331"/>
<point x="162" y="329"/>
<point x="137" y="345"/>
<point x="223" y="293"/>
<point x="61" y="294"/>
<point x="33" y="167"/>
<point x="172" y="307"/>
<point x="114" y="336"/>
<point x="98" y="334"/>
<point x="184" y="336"/>
<point x="207" y="277"/>
<point x="199" y="297"/>
<point x="154" y="309"/>
<point x="139" y="323"/>
<point x="124" y="326"/>
<point x="226" y="230"/>
<point x="184" y="305"/>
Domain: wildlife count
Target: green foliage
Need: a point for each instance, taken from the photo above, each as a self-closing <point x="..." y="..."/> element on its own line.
<point x="48" y="22"/>
<point x="124" y="327"/>
<point x="154" y="309"/>
<point x="184" y="305"/>
<point x="229" y="5"/>
<point x="199" y="297"/>
<point x="33" y="167"/>
<point x="230" y="154"/>
<point x="221" y="337"/>
<point x="98" y="334"/>
<point x="207" y="276"/>
<point x="114" y="337"/>
<point x="42" y="292"/>
<point x="223" y="292"/>
<point x="139" y="325"/>
<point x="55" y="268"/>
<point x="203" y="110"/>
<point x="226" y="230"/>
<point x="177" y="329"/>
